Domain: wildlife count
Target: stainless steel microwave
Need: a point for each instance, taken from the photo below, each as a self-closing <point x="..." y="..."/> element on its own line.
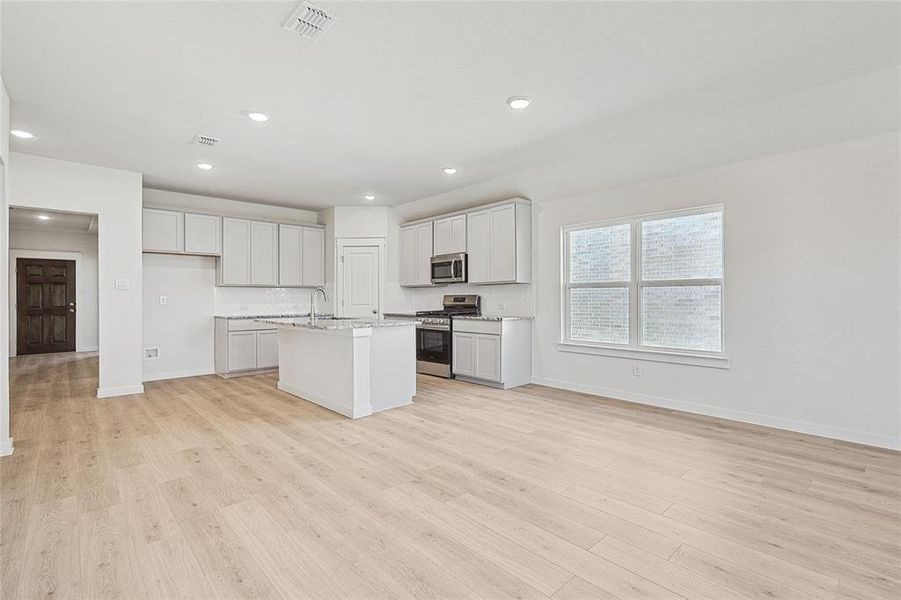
<point x="449" y="268"/>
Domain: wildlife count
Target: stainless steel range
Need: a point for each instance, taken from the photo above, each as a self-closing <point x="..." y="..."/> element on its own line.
<point x="434" y="334"/>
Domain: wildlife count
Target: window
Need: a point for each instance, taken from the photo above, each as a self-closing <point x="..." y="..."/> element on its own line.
<point x="650" y="283"/>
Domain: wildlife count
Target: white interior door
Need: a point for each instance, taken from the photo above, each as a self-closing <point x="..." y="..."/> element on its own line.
<point x="361" y="281"/>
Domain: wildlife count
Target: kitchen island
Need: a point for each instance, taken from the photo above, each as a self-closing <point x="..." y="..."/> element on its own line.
<point x="354" y="367"/>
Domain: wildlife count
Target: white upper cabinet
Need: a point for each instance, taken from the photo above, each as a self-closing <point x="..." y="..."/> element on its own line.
<point x="416" y="255"/>
<point x="313" y="256"/>
<point x="164" y="231"/>
<point x="479" y="247"/>
<point x="263" y="253"/>
<point x="450" y="235"/>
<point x="203" y="234"/>
<point x="290" y="255"/>
<point x="234" y="266"/>
<point x="499" y="241"/>
<point x="301" y="256"/>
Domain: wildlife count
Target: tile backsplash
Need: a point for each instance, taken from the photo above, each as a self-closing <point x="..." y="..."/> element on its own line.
<point x="504" y="299"/>
<point x="256" y="301"/>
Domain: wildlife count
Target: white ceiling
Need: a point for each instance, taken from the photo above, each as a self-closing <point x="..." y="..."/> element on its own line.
<point x="396" y="90"/>
<point x="26" y="218"/>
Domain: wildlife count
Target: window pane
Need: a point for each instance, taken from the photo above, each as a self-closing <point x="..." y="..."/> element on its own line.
<point x="688" y="247"/>
<point x="599" y="315"/>
<point x="684" y="317"/>
<point x="601" y="254"/>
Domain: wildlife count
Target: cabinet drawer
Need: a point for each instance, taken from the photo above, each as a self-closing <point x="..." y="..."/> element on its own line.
<point x="471" y="326"/>
<point x="249" y="325"/>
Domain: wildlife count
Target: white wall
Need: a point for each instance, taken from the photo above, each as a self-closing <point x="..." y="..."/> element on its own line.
<point x="812" y="317"/>
<point x="6" y="444"/>
<point x="115" y="196"/>
<point x="182" y="328"/>
<point x="229" y="208"/>
<point x="85" y="244"/>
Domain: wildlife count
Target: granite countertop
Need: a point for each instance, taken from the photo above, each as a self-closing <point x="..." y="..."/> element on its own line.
<point x="289" y="315"/>
<point x="399" y="314"/>
<point x="493" y="318"/>
<point x="330" y="324"/>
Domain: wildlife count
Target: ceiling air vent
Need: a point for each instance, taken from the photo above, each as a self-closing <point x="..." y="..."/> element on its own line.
<point x="309" y="21"/>
<point x="205" y="140"/>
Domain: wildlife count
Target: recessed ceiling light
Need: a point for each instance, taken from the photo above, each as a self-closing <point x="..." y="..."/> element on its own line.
<point x="258" y="117"/>
<point x="22" y="135"/>
<point x="204" y="166"/>
<point x="518" y="102"/>
<point x="449" y="170"/>
<point x="44" y="217"/>
<point x="369" y="197"/>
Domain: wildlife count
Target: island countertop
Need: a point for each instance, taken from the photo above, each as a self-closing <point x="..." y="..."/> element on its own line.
<point x="492" y="318"/>
<point x="328" y="323"/>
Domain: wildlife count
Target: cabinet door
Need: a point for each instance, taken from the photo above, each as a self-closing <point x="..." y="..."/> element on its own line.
<point x="443" y="242"/>
<point x="163" y="230"/>
<point x="479" y="246"/>
<point x="267" y="349"/>
<point x="263" y="253"/>
<point x="235" y="262"/>
<point x="458" y="233"/>
<point x="313" y="256"/>
<point x="464" y="354"/>
<point x="407" y="273"/>
<point x="424" y="254"/>
<point x="242" y="350"/>
<point x="290" y="255"/>
<point x="503" y="243"/>
<point x="202" y="234"/>
<point x="488" y="357"/>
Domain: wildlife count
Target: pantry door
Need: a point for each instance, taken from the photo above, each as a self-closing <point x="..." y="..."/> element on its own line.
<point x="361" y="267"/>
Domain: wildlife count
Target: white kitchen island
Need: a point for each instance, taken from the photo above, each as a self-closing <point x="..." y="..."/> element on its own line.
<point x="352" y="366"/>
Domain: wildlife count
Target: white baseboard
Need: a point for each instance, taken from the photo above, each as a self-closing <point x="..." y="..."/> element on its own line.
<point x="87" y="349"/>
<point x="120" y="391"/>
<point x="828" y="431"/>
<point x="6" y="447"/>
<point x="347" y="411"/>
<point x="179" y="374"/>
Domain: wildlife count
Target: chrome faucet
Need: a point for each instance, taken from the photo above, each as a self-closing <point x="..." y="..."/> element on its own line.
<point x="313" y="301"/>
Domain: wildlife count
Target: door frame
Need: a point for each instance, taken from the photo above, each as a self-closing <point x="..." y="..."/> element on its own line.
<point x="340" y="245"/>
<point x="17" y="253"/>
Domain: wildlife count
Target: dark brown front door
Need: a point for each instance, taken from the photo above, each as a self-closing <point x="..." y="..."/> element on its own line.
<point x="45" y="305"/>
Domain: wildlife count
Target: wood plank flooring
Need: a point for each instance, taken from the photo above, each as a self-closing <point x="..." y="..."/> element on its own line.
<point x="212" y="488"/>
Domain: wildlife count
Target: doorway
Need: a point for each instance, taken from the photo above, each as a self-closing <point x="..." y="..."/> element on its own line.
<point x="45" y="306"/>
<point x="360" y="272"/>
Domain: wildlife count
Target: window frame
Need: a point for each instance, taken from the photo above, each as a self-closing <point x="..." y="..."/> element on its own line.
<point x="635" y="348"/>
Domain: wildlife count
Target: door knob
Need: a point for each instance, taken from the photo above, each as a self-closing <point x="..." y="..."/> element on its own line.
<point x="375" y="312"/>
<point x="71" y="310"/>
<point x="71" y="304"/>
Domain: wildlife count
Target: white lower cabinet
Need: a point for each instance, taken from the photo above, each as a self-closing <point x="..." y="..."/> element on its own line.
<point x="243" y="346"/>
<point x="242" y="350"/>
<point x="267" y="349"/>
<point x="496" y="353"/>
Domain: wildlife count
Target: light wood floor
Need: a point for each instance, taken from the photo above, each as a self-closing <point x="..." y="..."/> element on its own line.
<point x="207" y="488"/>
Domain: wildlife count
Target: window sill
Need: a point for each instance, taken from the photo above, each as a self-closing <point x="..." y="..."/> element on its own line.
<point x="666" y="356"/>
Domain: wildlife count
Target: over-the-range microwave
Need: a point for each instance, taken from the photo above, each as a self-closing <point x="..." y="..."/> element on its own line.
<point x="449" y="268"/>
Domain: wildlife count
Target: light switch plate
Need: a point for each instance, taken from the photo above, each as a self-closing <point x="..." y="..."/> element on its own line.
<point x="164" y="300"/>
<point x="121" y="284"/>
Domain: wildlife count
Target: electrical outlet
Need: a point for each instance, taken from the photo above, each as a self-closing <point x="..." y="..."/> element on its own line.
<point x="121" y="284"/>
<point x="164" y="300"/>
<point x="500" y="306"/>
<point x="151" y="353"/>
<point x="636" y="370"/>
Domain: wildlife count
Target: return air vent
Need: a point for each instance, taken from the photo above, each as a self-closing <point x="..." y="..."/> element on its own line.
<point x="309" y="21"/>
<point x="205" y="140"/>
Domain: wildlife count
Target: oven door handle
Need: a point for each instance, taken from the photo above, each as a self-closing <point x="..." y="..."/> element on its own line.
<point x="434" y="327"/>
